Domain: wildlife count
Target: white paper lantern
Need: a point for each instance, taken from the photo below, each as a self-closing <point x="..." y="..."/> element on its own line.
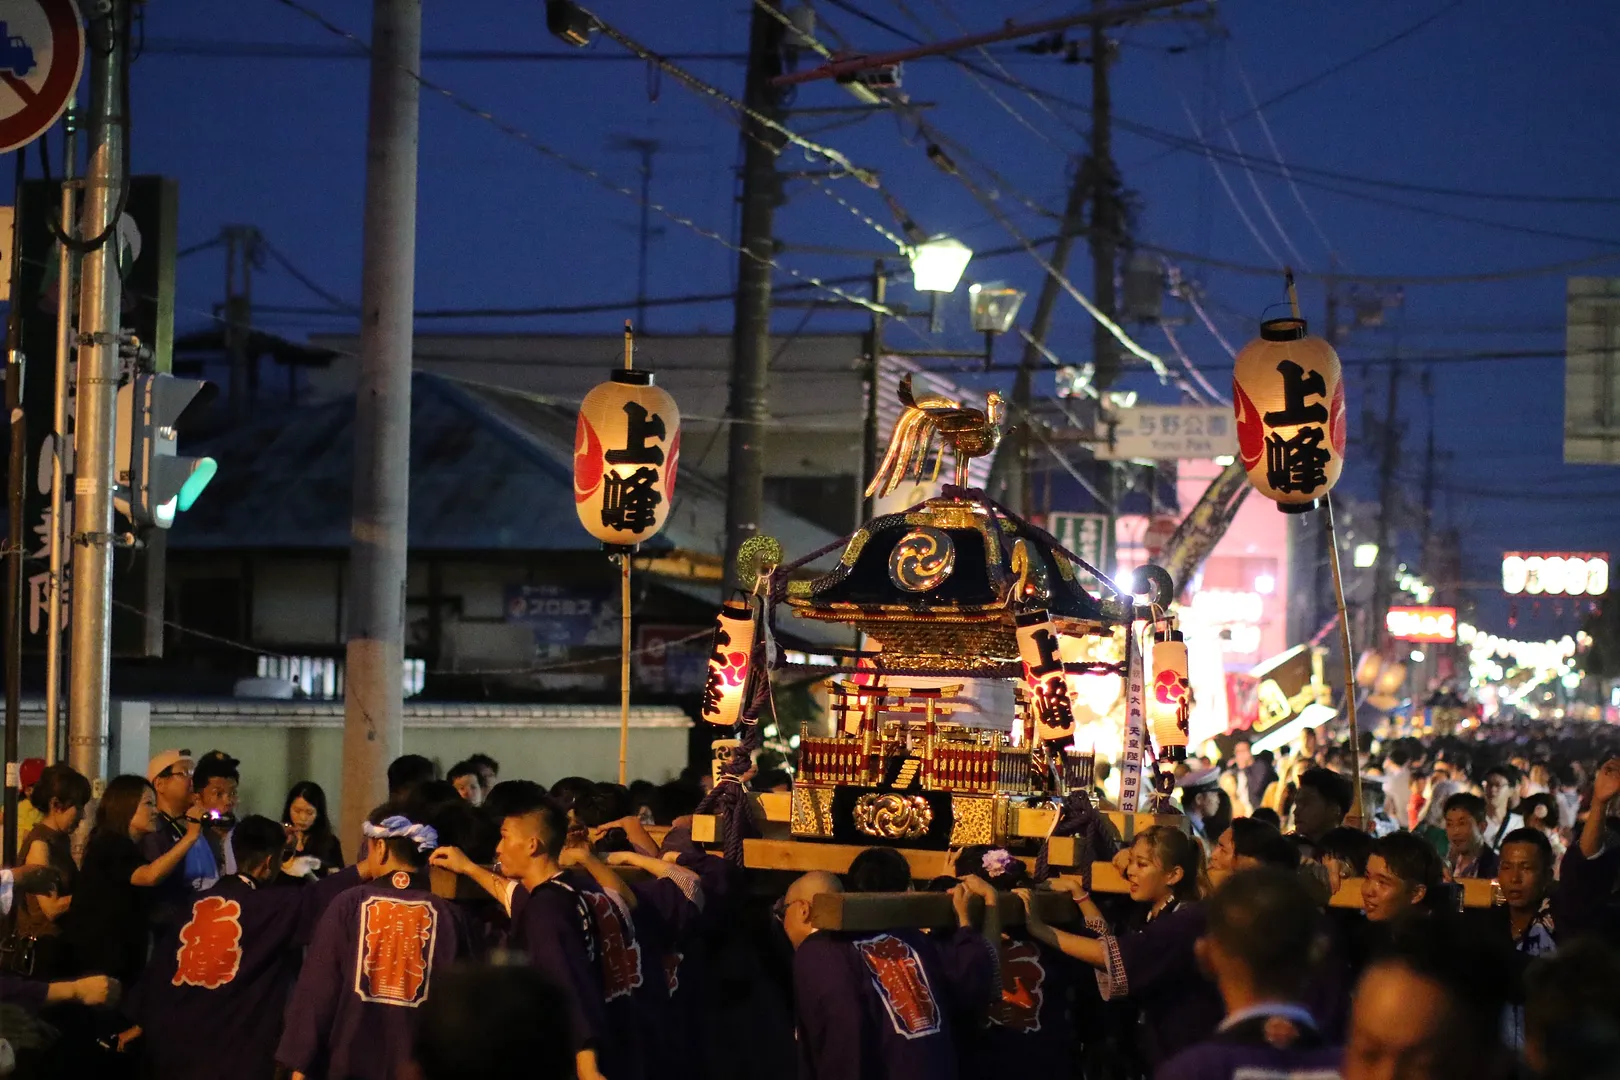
<point x="729" y="661"/>
<point x="1040" y="648"/>
<point x="1169" y="704"/>
<point x="627" y="446"/>
<point x="1288" y="396"/>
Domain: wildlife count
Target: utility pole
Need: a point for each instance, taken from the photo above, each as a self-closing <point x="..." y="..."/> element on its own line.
<point x="241" y="251"/>
<point x="95" y="420"/>
<point x="1023" y="434"/>
<point x="373" y="707"/>
<point x="1428" y="476"/>
<point x="16" y="481"/>
<point x="1383" y="579"/>
<point x="1107" y="224"/>
<point x="67" y="272"/>
<point x="751" y="334"/>
<point x="645" y="149"/>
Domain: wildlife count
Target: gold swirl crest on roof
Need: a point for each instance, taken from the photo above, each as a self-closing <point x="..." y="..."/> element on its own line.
<point x="922" y="560"/>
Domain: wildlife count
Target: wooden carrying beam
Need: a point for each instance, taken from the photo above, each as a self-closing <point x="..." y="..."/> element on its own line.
<point x="930" y="910"/>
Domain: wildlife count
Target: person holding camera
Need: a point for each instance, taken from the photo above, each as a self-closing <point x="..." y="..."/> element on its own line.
<point x="169" y="774"/>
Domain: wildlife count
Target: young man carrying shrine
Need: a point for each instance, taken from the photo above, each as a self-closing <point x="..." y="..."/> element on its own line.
<point x="227" y="967"/>
<point x="354" y="1010"/>
<point x="551" y="920"/>
<point x="880" y="1006"/>
<point x="1262" y="931"/>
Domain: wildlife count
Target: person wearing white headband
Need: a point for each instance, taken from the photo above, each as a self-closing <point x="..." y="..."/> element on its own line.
<point x="372" y="959"/>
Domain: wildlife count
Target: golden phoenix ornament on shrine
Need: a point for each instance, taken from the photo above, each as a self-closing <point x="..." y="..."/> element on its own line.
<point x="926" y="428"/>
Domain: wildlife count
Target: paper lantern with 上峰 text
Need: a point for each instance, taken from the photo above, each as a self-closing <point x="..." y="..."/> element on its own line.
<point x="1169" y="704"/>
<point x="1288" y="395"/>
<point x="627" y="446"/>
<point x="726" y="688"/>
<point x="1040" y="647"/>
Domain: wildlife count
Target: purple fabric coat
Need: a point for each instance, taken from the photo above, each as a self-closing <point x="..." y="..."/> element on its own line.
<point x="882" y="1006"/>
<point x="1272" y="1047"/>
<point x="552" y="926"/>
<point x="1155" y="967"/>
<point x="370" y="965"/>
<point x="226" y="971"/>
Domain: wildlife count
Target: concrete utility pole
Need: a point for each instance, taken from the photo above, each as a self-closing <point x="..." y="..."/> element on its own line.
<point x="1018" y="495"/>
<point x="95" y="419"/>
<point x="373" y="707"/>
<point x="751" y="334"/>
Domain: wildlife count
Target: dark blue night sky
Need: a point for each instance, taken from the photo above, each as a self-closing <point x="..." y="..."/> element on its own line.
<point x="1485" y="97"/>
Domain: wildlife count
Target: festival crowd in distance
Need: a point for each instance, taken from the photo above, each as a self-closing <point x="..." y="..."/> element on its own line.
<point x="588" y="936"/>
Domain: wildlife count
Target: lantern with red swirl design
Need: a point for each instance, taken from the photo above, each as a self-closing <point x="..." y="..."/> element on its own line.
<point x="1170" y="695"/>
<point x="1288" y="395"/>
<point x="726" y="689"/>
<point x="627" y="446"/>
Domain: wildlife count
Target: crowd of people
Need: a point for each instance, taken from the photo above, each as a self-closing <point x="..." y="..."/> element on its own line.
<point x="578" y="930"/>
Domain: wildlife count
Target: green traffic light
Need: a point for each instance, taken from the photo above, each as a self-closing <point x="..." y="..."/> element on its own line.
<point x="201" y="474"/>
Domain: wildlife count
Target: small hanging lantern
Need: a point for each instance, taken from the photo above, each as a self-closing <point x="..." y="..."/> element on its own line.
<point x="1170" y="695"/>
<point x="1288" y="395"/>
<point x="627" y="446"/>
<point x="729" y="661"/>
<point x="1039" y="646"/>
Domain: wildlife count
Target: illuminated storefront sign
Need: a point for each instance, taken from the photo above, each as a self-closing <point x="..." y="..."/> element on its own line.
<point x="1555" y="573"/>
<point x="1430" y="624"/>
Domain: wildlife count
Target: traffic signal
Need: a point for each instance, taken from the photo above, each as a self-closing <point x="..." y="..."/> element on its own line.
<point x="155" y="481"/>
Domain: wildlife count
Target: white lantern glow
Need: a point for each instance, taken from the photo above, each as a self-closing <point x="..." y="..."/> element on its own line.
<point x="1169" y="704"/>
<point x="1039" y="646"/>
<point x="627" y="445"/>
<point x="729" y="660"/>
<point x="937" y="265"/>
<point x="1288" y="396"/>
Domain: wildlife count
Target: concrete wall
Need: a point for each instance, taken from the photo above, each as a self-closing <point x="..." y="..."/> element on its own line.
<point x="281" y="743"/>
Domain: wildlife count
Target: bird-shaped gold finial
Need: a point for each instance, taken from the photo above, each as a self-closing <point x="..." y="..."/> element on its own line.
<point x="926" y="427"/>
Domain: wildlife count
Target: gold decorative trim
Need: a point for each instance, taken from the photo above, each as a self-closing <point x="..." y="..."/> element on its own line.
<point x="856" y="545"/>
<point x="812" y="811"/>
<point x="978" y="819"/>
<point x="893" y="817"/>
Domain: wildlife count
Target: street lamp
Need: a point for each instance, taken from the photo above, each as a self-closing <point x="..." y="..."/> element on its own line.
<point x="1365" y="555"/>
<point x="994" y="306"/>
<point x="937" y="265"/>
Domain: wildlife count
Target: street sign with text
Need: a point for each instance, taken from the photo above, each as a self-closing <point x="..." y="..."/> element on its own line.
<point x="1168" y="432"/>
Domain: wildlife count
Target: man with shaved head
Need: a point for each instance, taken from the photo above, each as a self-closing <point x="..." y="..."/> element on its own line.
<point x="882" y="1006"/>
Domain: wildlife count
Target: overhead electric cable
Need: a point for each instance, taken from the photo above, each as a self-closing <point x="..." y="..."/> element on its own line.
<point x="584" y="170"/>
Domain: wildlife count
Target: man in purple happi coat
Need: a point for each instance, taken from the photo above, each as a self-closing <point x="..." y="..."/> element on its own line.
<point x="1260" y="929"/>
<point x="371" y="962"/>
<point x="211" y="1000"/>
<point x="552" y="921"/>
<point x="883" y="1006"/>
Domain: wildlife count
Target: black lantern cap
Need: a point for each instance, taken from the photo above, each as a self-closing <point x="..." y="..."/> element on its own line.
<point x="1289" y="329"/>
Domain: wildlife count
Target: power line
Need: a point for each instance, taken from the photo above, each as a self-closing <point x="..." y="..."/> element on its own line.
<point x="1356" y="59"/>
<point x="1276" y="153"/>
<point x="306" y="281"/>
<point x="582" y="169"/>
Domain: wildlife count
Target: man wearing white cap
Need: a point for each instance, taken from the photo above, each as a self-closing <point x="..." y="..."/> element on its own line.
<point x="170" y="774"/>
